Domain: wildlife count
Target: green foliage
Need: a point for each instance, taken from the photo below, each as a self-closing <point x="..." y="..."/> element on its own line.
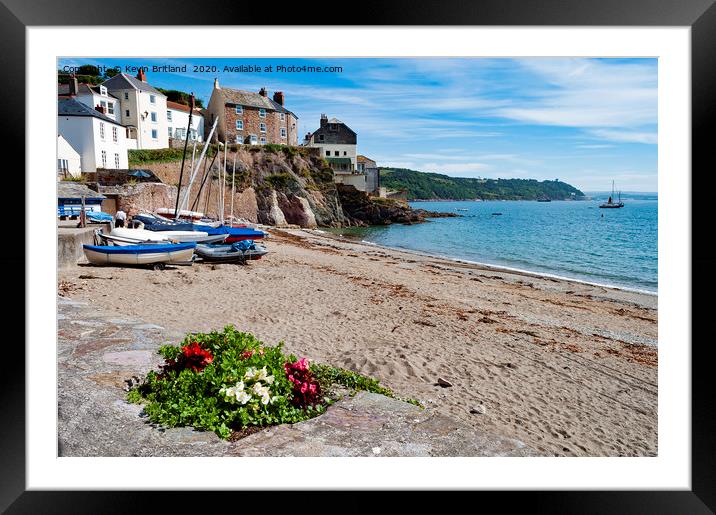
<point x="164" y="155"/>
<point x="189" y="398"/>
<point x="185" y="397"/>
<point x="425" y="186"/>
<point x="281" y="180"/>
<point x="72" y="178"/>
<point x="181" y="97"/>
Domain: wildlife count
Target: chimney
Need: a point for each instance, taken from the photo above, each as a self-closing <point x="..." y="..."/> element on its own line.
<point x="324" y="120"/>
<point x="216" y="83"/>
<point x="278" y="97"/>
<point x="262" y="92"/>
<point x="74" y="87"/>
<point x="141" y="75"/>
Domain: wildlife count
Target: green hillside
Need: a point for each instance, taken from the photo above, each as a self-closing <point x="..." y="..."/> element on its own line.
<point x="427" y="186"/>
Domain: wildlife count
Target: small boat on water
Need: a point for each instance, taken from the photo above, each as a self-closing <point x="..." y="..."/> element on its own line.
<point x="610" y="204"/>
<point x="544" y="199"/>
<point x="238" y="252"/>
<point x="153" y="254"/>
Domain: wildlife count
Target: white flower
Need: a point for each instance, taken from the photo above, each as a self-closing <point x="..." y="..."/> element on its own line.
<point x="269" y="379"/>
<point x="265" y="398"/>
<point x="243" y="397"/>
<point x="240" y="385"/>
<point x="261" y="376"/>
<point x="250" y="373"/>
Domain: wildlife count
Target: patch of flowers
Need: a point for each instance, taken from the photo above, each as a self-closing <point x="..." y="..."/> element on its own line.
<point x="225" y="381"/>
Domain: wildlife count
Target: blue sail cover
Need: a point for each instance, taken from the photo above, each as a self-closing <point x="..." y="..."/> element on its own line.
<point x="140" y="249"/>
<point x="232" y="231"/>
<point x="243" y="245"/>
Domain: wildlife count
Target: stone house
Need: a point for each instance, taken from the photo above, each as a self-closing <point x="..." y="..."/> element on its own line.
<point x="250" y="118"/>
<point x="369" y="168"/>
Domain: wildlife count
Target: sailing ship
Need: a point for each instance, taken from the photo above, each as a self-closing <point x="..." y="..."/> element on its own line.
<point x="610" y="204"/>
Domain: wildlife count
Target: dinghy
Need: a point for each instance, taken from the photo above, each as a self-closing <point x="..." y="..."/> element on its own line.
<point x="238" y="252"/>
<point x="143" y="236"/>
<point x="232" y="234"/>
<point x="154" y="254"/>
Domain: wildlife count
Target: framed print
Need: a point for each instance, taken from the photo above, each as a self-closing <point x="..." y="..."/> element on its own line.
<point x="444" y="248"/>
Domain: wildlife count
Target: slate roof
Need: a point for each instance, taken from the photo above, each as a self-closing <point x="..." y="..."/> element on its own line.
<point x="124" y="81"/>
<point x="63" y="90"/>
<point x="251" y="99"/>
<point x="66" y="189"/>
<point x="72" y="107"/>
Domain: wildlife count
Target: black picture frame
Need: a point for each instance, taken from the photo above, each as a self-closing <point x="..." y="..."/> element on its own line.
<point x="699" y="15"/>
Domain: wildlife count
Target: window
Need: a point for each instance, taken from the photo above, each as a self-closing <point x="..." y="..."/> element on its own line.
<point x="253" y="139"/>
<point x="180" y="133"/>
<point x="336" y="153"/>
<point x="169" y="116"/>
<point x="262" y="113"/>
<point x="328" y="152"/>
<point x="283" y="116"/>
<point x="114" y="134"/>
<point x="126" y="95"/>
<point x="170" y="132"/>
<point x="62" y="166"/>
<point x="262" y="127"/>
<point x="154" y="134"/>
<point x="152" y="99"/>
<point x="239" y="125"/>
<point x="320" y="137"/>
<point x="116" y="161"/>
<point x="154" y="116"/>
<point x="103" y="90"/>
<point x="126" y="113"/>
<point x="345" y="153"/>
<point x="239" y="138"/>
<point x="110" y="107"/>
<point x="263" y="140"/>
<point x="104" y="159"/>
<point x="239" y="110"/>
<point x="101" y="130"/>
<point x="283" y="132"/>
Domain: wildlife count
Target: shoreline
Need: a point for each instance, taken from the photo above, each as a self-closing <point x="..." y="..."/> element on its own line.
<point x="569" y="369"/>
<point x="488" y="266"/>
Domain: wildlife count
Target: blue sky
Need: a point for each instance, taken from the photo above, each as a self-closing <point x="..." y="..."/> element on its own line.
<point x="584" y="121"/>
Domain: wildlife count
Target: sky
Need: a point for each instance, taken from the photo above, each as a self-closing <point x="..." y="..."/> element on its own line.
<point x="584" y="121"/>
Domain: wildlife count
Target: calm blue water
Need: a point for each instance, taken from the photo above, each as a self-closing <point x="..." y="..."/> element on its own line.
<point x="568" y="239"/>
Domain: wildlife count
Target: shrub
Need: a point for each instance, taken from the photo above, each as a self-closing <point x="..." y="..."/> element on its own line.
<point x="224" y="381"/>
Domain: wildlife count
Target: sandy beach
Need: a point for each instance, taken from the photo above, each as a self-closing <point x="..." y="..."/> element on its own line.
<point x="568" y="368"/>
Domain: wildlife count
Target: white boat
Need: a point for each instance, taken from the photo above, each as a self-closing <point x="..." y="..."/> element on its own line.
<point x="143" y="236"/>
<point x="183" y="213"/>
<point x="153" y="254"/>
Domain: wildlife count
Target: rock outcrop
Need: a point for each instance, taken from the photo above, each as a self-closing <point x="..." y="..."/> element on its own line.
<point x="279" y="186"/>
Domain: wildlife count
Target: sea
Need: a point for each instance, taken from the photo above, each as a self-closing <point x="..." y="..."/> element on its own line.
<point x="568" y="239"/>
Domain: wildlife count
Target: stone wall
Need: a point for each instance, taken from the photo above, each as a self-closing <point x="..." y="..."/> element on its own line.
<point x="252" y="120"/>
<point x="133" y="199"/>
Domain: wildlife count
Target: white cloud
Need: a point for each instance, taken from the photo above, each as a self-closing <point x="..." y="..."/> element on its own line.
<point x="626" y="136"/>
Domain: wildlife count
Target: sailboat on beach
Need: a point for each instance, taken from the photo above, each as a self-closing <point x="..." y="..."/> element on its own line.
<point x="610" y="203"/>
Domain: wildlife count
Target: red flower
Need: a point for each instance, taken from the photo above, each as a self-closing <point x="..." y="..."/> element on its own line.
<point x="192" y="356"/>
<point x="306" y="391"/>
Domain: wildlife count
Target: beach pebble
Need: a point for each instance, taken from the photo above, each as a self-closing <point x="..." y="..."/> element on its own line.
<point x="376" y="450"/>
<point x="216" y="267"/>
<point x="444" y="382"/>
<point x="478" y="410"/>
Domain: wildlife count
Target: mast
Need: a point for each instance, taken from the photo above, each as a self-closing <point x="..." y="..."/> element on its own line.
<point x="183" y="156"/>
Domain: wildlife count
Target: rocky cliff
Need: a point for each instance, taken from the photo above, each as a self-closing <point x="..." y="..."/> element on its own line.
<point x="279" y="185"/>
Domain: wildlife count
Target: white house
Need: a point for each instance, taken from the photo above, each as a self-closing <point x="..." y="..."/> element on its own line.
<point x="178" y="120"/>
<point x="69" y="162"/>
<point x="95" y="97"/>
<point x="99" y="140"/>
<point x="143" y="110"/>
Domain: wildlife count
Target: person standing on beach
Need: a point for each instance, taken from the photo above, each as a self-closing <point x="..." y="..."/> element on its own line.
<point x="119" y="218"/>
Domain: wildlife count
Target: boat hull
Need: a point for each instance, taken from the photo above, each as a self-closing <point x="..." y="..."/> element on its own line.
<point x="226" y="254"/>
<point x="139" y="254"/>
